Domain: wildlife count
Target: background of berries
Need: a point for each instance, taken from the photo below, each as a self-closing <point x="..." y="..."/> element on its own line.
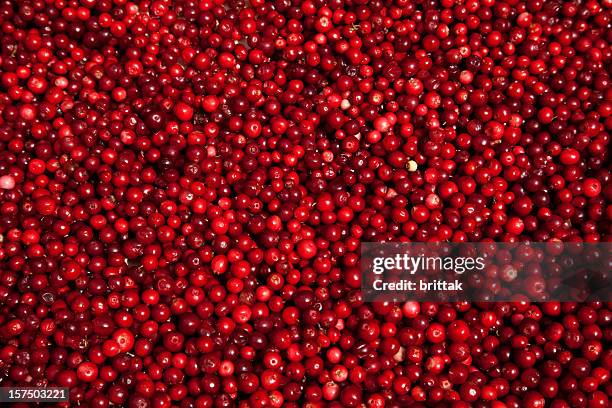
<point x="184" y="187"/>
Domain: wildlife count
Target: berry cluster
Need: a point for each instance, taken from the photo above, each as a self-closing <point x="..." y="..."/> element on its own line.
<point x="185" y="185"/>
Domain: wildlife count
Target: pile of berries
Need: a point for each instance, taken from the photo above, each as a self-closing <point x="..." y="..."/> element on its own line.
<point x="185" y="185"/>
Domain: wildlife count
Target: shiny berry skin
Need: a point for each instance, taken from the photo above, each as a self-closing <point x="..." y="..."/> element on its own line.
<point x="185" y="188"/>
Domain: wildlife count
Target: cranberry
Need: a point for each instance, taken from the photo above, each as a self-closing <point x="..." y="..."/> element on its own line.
<point x="185" y="187"/>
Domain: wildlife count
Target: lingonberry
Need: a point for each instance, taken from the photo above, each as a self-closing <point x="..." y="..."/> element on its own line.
<point x="184" y="188"/>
